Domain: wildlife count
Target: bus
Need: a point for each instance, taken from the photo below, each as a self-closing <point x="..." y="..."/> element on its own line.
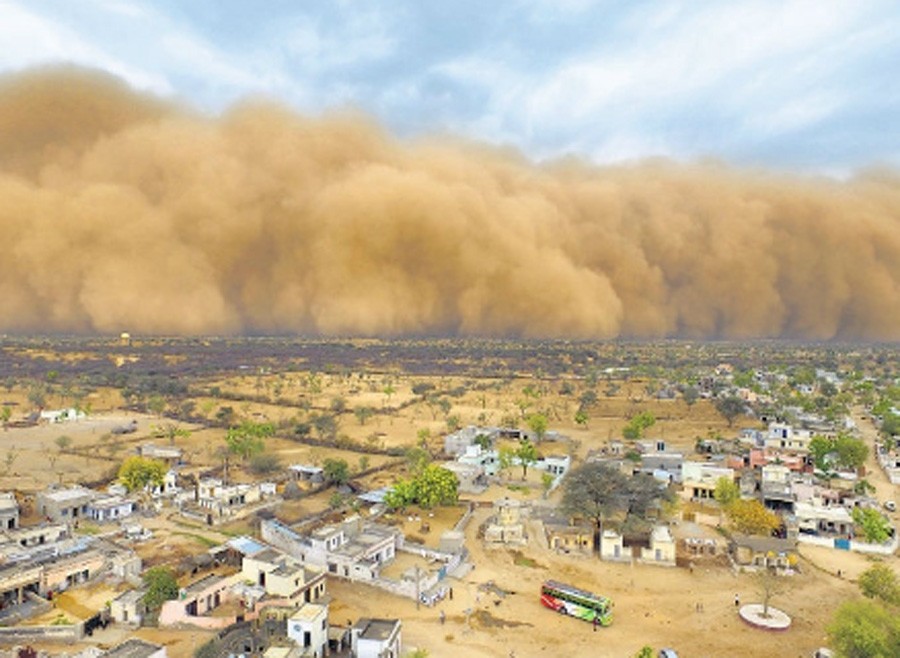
<point x="568" y="600"/>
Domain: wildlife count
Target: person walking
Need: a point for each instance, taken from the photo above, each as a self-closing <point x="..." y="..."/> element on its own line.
<point x="737" y="600"/>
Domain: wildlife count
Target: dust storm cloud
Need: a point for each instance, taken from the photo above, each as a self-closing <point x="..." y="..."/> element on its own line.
<point x="123" y="212"/>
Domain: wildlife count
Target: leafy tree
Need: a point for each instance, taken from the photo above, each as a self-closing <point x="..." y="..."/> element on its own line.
<point x="727" y="491"/>
<point x="248" y="438"/>
<point x="136" y="473"/>
<point x="63" y="442"/>
<point x="851" y="452"/>
<point x="769" y="585"/>
<point x="730" y="407"/>
<point x="363" y="463"/>
<point x="417" y="459"/>
<point x="326" y="427"/>
<point x="546" y="483"/>
<point x="363" y="414"/>
<point x="5" y="415"/>
<point x="527" y="455"/>
<point x="401" y="495"/>
<point x="581" y="418"/>
<point x="161" y="586"/>
<point x="750" y="517"/>
<point x="538" y="424"/>
<point x="338" y="405"/>
<point x="436" y="486"/>
<point x="636" y="427"/>
<point x="210" y="649"/>
<point x="820" y="447"/>
<point x="595" y="491"/>
<point x="874" y="526"/>
<point x="336" y="471"/>
<point x="690" y="395"/>
<point x="645" y="651"/>
<point x="865" y="629"/>
<point x="505" y="457"/>
<point x="483" y="441"/>
<point x="880" y="582"/>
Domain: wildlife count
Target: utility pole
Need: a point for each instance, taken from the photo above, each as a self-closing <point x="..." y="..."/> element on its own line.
<point x="417" y="587"/>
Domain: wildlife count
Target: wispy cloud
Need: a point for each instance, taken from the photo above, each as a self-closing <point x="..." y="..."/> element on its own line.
<point x="793" y="84"/>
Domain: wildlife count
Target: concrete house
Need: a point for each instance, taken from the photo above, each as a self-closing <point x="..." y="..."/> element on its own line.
<point x="661" y="551"/>
<point x="9" y="511"/>
<point x="507" y="524"/>
<point x="569" y="538"/>
<point x="612" y="548"/>
<point x="354" y="549"/>
<point x="283" y="576"/>
<point x="471" y="477"/>
<point x="128" y="607"/>
<point x="376" y="638"/>
<point x="699" y="479"/>
<point x="456" y="443"/>
<point x="196" y="600"/>
<point x="66" y="505"/>
<point x="308" y="628"/>
<point x="110" y="508"/>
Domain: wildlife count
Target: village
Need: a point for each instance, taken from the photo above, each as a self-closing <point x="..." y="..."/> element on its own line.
<point x="302" y="513"/>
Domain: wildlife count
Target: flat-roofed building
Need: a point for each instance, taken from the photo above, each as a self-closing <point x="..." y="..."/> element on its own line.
<point x="376" y="638"/>
<point x="66" y="505"/>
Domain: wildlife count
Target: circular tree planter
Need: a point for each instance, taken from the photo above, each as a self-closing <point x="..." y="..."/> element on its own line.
<point x="776" y="620"/>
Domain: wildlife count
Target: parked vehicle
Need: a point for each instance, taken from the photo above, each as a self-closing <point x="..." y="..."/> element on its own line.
<point x="575" y="602"/>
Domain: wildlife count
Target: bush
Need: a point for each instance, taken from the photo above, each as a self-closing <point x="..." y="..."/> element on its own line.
<point x="265" y="463"/>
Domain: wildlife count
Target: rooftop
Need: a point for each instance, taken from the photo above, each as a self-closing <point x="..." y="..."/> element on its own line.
<point x="309" y="612"/>
<point x="66" y="495"/>
<point x="377" y="629"/>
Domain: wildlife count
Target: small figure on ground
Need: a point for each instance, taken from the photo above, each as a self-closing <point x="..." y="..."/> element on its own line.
<point x="737" y="600"/>
<point x="443" y="617"/>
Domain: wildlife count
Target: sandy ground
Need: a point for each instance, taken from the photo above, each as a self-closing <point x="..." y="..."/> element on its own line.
<point x="653" y="605"/>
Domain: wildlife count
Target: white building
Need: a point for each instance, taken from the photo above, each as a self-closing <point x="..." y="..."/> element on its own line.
<point x="308" y="628"/>
<point x="110" y="508"/>
<point x="376" y="638"/>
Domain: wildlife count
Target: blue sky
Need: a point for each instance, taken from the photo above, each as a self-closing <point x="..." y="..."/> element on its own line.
<point x="809" y="85"/>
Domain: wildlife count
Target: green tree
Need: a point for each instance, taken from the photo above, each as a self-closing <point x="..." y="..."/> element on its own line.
<point x="636" y="427"/>
<point x="820" y="447"/>
<point x="5" y="415"/>
<point x="136" y="473"/>
<point x="596" y="491"/>
<point x="546" y="483"/>
<point x="417" y="459"/>
<point x="874" y="526"/>
<point x="865" y="629"/>
<point x="248" y="438"/>
<point x="538" y="424"/>
<point x="851" y="453"/>
<point x="581" y="418"/>
<point x="401" y="495"/>
<point x="880" y="582"/>
<point x="505" y="458"/>
<point x="336" y="471"/>
<point x="727" y="491"/>
<point x="363" y="414"/>
<point x="363" y="463"/>
<point x="161" y="586"/>
<point x="436" y="486"/>
<point x="483" y="441"/>
<point x="730" y="407"/>
<point x="645" y="651"/>
<point x="527" y="455"/>
<point x="690" y="395"/>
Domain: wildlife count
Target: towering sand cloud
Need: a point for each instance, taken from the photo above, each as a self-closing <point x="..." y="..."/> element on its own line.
<point x="119" y="211"/>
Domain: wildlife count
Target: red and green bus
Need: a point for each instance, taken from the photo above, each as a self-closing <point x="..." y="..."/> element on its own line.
<point x="568" y="600"/>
